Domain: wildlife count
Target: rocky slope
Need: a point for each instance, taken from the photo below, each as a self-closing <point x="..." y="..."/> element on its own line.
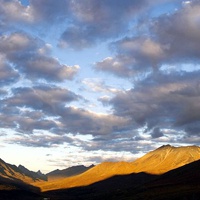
<point x="12" y="172"/>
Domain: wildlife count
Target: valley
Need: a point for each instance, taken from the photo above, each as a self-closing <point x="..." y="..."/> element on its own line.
<point x="165" y="173"/>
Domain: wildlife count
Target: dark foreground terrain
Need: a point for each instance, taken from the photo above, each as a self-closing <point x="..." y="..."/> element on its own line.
<point x="179" y="184"/>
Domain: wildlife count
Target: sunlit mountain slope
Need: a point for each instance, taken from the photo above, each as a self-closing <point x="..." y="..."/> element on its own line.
<point x="158" y="161"/>
<point x="166" y="158"/>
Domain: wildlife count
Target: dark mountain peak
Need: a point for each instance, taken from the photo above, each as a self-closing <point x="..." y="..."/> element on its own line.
<point x="2" y="161"/>
<point x="39" y="172"/>
<point x="71" y="171"/>
<point x="19" y="173"/>
<point x="166" y="146"/>
<point x="21" y="167"/>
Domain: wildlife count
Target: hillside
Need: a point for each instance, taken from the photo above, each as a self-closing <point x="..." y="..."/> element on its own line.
<point x="178" y="184"/>
<point x="157" y="162"/>
<point x="166" y="158"/>
<point x="165" y="173"/>
<point x="12" y="172"/>
<point x="71" y="171"/>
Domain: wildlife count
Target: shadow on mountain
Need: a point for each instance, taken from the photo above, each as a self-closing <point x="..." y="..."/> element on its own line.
<point x="179" y="184"/>
<point x="15" y="189"/>
<point x="71" y="171"/>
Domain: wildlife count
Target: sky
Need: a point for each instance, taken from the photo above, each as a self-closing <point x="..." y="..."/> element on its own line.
<point x="88" y="81"/>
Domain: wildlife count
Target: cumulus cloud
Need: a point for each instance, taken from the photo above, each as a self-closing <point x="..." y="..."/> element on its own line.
<point x="179" y="32"/>
<point x="119" y="65"/>
<point x="7" y="74"/>
<point x="46" y="108"/>
<point x="30" y="56"/>
<point x="169" y="100"/>
<point x="82" y="121"/>
<point x="99" y="20"/>
<point x="49" y="11"/>
<point x="173" y="39"/>
<point x="42" y="98"/>
<point x="29" y="109"/>
<point x="19" y="12"/>
<point x="161" y="106"/>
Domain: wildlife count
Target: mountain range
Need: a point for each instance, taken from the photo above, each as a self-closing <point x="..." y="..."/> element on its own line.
<point x="167" y="172"/>
<point x="71" y="171"/>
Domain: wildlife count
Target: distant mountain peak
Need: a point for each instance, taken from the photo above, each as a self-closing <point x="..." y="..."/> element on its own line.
<point x="166" y="146"/>
<point x="71" y="171"/>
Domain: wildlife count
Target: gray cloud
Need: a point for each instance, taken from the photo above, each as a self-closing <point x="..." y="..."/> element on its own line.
<point x="31" y="56"/>
<point x="156" y="133"/>
<point x="99" y="20"/>
<point x="3" y="93"/>
<point x="81" y="121"/>
<point x="25" y="123"/>
<point x="179" y="33"/>
<point x="173" y="39"/>
<point x="166" y="104"/>
<point x="44" y="98"/>
<point x="40" y="140"/>
<point x="19" y="12"/>
<point x="119" y="66"/>
<point x="30" y="108"/>
<point x="165" y="100"/>
<point x="49" y="11"/>
<point x="7" y="74"/>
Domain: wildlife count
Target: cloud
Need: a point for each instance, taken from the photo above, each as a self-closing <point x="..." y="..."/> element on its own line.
<point x="40" y="140"/>
<point x="36" y="108"/>
<point x="34" y="13"/>
<point x="7" y="74"/>
<point x="119" y="66"/>
<point x="179" y="32"/>
<point x="43" y="98"/>
<point x="97" y="85"/>
<point x="156" y="133"/>
<point x="76" y="120"/>
<point x="49" y="11"/>
<point x="31" y="57"/>
<point x="25" y="122"/>
<point x="161" y="107"/>
<point x="46" y="108"/>
<point x="173" y="39"/>
<point x="95" y="21"/>
<point x="167" y="100"/>
<point x="14" y="11"/>
<point x="3" y="92"/>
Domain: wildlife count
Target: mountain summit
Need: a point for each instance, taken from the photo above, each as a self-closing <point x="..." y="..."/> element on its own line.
<point x="166" y="158"/>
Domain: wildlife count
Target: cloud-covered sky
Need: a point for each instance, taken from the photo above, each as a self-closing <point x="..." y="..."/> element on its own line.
<point x="88" y="81"/>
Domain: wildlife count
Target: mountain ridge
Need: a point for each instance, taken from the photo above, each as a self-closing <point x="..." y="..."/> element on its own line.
<point x="158" y="161"/>
<point x="71" y="171"/>
<point x="20" y="173"/>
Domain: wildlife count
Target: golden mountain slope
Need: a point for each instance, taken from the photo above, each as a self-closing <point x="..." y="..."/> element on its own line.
<point x="158" y="161"/>
<point x="95" y="174"/>
<point x="166" y="158"/>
